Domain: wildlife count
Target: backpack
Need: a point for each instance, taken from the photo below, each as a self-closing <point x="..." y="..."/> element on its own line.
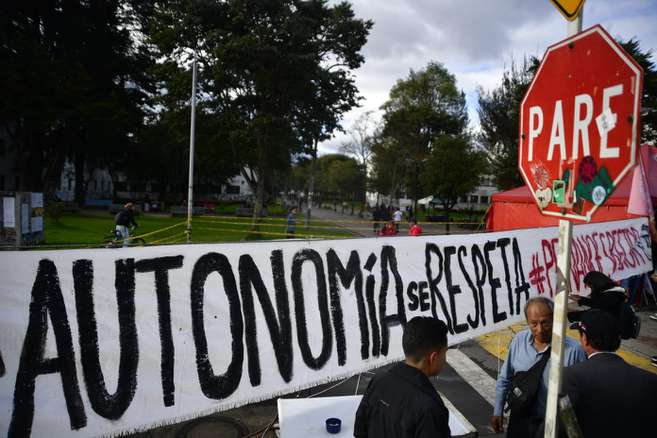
<point x="523" y="387"/>
<point x="630" y="323"/>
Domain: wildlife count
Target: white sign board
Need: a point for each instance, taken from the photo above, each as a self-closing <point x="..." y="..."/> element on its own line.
<point x="36" y="200"/>
<point x="111" y="341"/>
<point x="8" y="212"/>
<point x="36" y="223"/>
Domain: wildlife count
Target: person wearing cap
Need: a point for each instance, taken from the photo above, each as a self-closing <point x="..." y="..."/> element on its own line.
<point x="610" y="397"/>
<point x="124" y="220"/>
<point x="527" y="348"/>
<point x="402" y="402"/>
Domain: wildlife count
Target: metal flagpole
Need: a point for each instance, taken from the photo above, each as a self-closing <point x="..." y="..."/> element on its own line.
<point x="192" y="129"/>
<point x="560" y="302"/>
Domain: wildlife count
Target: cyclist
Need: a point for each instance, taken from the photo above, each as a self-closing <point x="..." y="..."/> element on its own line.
<point x="123" y="221"/>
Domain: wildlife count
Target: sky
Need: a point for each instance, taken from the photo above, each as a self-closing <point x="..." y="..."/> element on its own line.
<point x="475" y="39"/>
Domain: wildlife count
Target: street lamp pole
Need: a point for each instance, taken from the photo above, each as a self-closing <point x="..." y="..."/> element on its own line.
<point x="192" y="130"/>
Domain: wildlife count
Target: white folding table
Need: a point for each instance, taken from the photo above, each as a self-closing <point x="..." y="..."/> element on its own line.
<point x="306" y="417"/>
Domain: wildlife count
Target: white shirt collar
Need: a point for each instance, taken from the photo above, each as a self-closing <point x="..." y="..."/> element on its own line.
<point x="602" y="352"/>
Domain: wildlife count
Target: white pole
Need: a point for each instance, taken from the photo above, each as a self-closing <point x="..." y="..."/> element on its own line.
<point x="192" y="129"/>
<point x="560" y="303"/>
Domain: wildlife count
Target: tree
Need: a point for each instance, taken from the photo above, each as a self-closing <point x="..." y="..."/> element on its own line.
<point x="453" y="169"/>
<point x="499" y="112"/>
<point x="346" y="178"/>
<point x="72" y="86"/>
<point x="649" y="99"/>
<point x="421" y="108"/>
<point x="280" y="71"/>
<point x="363" y="134"/>
<point x="386" y="171"/>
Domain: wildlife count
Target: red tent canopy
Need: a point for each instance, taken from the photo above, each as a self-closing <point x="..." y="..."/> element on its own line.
<point x="516" y="208"/>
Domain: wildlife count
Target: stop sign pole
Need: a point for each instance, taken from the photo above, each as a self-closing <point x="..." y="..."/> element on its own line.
<point x="560" y="302"/>
<point x="579" y="135"/>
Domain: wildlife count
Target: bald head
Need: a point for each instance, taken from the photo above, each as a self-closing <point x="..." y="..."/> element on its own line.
<point x="545" y="303"/>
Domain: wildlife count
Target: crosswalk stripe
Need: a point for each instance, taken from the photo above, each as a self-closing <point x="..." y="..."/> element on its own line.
<point x="473" y="374"/>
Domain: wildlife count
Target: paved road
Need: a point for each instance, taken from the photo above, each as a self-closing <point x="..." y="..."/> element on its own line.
<point x="362" y="227"/>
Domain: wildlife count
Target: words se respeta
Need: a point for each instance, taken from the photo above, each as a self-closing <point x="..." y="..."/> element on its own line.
<point x="111" y="341"/>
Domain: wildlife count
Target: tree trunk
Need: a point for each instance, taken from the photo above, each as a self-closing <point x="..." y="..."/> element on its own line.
<point x="417" y="187"/>
<point x="446" y="210"/>
<point x="30" y="160"/>
<point x="311" y="184"/>
<point x="258" y="206"/>
<point x="80" y="186"/>
<point x="53" y="174"/>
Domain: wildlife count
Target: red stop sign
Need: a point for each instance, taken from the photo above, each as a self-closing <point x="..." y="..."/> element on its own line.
<point x="579" y="124"/>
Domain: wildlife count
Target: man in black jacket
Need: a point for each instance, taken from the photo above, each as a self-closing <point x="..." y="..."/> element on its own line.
<point x="611" y="398"/>
<point x="402" y="402"/>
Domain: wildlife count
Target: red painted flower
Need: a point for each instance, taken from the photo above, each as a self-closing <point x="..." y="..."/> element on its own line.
<point x="588" y="169"/>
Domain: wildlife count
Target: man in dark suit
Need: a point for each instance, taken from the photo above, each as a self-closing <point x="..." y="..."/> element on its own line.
<point x="611" y="398"/>
<point x="402" y="403"/>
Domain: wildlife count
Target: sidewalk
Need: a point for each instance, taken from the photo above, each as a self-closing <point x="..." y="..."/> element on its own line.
<point x="636" y="352"/>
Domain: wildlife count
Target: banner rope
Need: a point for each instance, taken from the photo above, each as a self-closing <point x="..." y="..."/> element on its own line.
<point x="141" y="236"/>
<point x="174" y="237"/>
<point x="272" y="233"/>
<point x="346" y="221"/>
<point x="300" y="225"/>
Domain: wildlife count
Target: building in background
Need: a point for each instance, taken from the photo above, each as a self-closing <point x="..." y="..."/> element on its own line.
<point x="480" y="197"/>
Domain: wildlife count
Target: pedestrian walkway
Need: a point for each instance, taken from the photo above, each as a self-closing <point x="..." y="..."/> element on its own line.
<point x="636" y="352"/>
<point x="361" y="226"/>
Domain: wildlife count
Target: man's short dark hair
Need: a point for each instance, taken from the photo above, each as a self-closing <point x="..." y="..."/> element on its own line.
<point x="422" y="335"/>
<point x="602" y="330"/>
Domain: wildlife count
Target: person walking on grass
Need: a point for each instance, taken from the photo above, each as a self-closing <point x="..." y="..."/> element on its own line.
<point x="291" y="223"/>
<point x="123" y="221"/>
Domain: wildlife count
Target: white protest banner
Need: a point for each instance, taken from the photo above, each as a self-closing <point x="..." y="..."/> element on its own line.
<point x="620" y="249"/>
<point x="109" y="341"/>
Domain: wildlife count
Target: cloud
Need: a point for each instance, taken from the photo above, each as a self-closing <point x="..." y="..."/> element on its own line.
<point x="475" y="40"/>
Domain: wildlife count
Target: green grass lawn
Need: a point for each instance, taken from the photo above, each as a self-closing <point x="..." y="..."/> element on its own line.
<point x="92" y="229"/>
<point x="229" y="209"/>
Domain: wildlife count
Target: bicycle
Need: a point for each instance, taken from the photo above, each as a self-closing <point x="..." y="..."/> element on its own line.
<point x="114" y="240"/>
